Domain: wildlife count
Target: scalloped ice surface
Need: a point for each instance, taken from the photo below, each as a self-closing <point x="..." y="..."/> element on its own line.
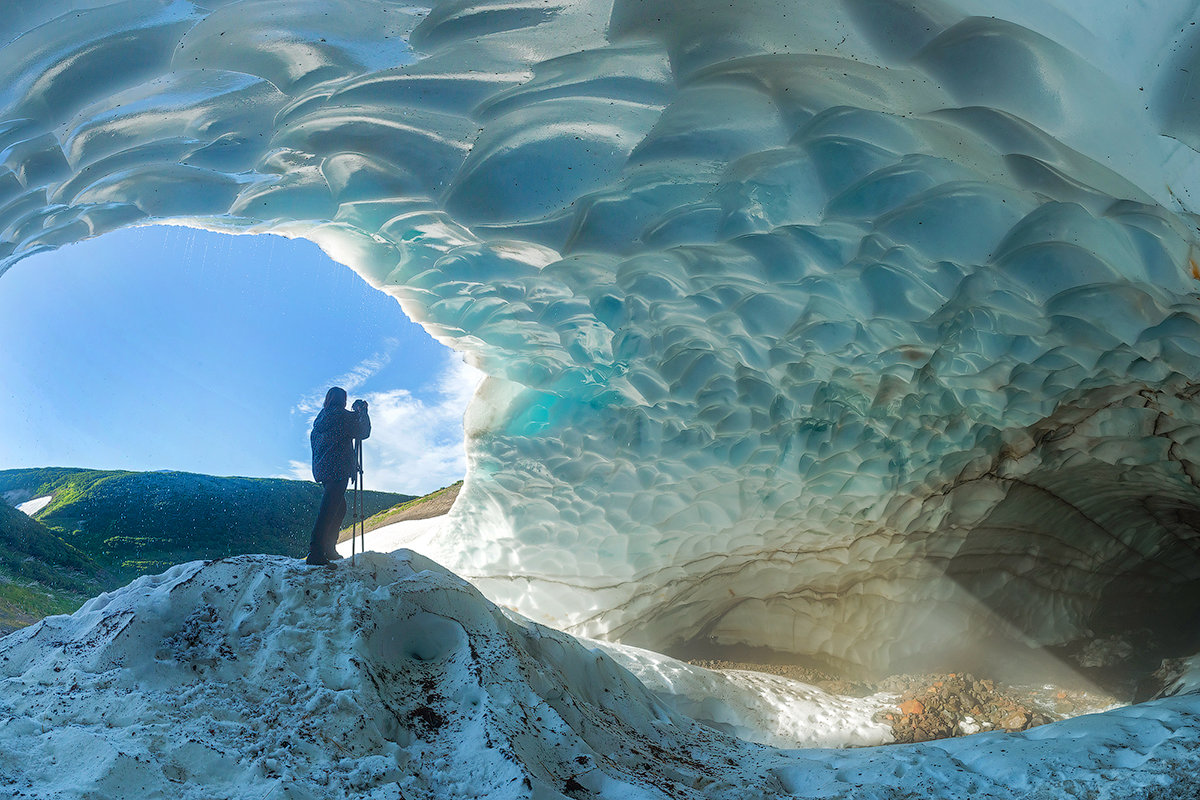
<point x="847" y="329"/>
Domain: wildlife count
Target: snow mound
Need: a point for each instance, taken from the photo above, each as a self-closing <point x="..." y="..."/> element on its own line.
<point x="259" y="677"/>
<point x="393" y="677"/>
<point x="760" y="708"/>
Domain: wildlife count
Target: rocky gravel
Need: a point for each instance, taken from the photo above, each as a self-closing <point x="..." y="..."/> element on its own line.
<point x="941" y="706"/>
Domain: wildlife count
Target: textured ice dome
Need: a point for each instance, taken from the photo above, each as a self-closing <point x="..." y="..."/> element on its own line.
<point x="856" y="329"/>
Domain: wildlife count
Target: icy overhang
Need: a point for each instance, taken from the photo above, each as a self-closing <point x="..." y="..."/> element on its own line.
<point x="848" y="329"/>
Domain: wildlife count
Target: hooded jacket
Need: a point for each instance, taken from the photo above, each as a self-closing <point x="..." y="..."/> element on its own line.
<point x="333" y="435"/>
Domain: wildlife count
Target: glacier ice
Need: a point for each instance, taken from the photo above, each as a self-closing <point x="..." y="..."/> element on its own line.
<point x="861" y="330"/>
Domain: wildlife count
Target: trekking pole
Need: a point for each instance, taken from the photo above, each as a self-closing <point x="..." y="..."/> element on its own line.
<point x="360" y="500"/>
<point x="354" y="497"/>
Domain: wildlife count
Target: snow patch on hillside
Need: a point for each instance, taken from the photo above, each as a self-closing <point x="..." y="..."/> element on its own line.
<point x="421" y="535"/>
<point x="31" y="507"/>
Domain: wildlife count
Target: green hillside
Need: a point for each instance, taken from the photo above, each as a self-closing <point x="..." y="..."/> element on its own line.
<point x="40" y="574"/>
<point x="132" y="523"/>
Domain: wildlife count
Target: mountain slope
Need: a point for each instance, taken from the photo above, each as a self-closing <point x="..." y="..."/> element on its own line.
<point x="39" y="573"/>
<point x="134" y="523"/>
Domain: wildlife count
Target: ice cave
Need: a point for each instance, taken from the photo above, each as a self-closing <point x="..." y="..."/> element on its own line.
<point x="858" y="332"/>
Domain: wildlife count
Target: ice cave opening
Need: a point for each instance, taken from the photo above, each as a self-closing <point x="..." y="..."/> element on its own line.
<point x="170" y="348"/>
<point x="865" y="335"/>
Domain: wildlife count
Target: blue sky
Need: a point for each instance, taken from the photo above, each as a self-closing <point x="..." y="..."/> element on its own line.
<point x="173" y="348"/>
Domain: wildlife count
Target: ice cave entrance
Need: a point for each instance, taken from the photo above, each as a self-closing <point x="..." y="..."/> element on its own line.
<point x="158" y="347"/>
<point x="176" y="348"/>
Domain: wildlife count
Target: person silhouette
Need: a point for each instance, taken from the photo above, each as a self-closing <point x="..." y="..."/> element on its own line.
<point x="333" y="463"/>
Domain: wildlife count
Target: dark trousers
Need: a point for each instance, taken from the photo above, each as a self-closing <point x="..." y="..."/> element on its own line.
<point x="329" y="519"/>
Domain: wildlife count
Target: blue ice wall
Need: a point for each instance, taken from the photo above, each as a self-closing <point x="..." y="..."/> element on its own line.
<point x="856" y="329"/>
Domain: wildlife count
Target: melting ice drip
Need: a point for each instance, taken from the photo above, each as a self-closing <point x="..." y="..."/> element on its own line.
<point x="841" y="328"/>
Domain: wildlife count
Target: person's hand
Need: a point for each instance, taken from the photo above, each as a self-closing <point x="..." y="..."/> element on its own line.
<point x="360" y="405"/>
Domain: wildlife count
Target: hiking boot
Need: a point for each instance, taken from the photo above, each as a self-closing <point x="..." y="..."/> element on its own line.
<point x="334" y="555"/>
<point x="316" y="561"/>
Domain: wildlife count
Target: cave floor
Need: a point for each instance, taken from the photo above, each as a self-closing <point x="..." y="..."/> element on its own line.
<point x="932" y="706"/>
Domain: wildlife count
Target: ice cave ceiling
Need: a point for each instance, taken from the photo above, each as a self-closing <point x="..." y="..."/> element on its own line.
<point x="856" y="329"/>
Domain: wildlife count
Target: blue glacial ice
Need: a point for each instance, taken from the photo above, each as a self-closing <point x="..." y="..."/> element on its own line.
<point x="858" y="330"/>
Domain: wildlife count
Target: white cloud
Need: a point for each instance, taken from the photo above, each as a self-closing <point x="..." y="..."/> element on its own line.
<point x="352" y="380"/>
<point x="415" y="446"/>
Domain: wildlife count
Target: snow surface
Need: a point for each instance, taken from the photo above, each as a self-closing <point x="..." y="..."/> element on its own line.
<point x="762" y="708"/>
<point x="260" y="677"/>
<point x="1188" y="679"/>
<point x="412" y="534"/>
<point x="35" y="505"/>
<point x="754" y="706"/>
